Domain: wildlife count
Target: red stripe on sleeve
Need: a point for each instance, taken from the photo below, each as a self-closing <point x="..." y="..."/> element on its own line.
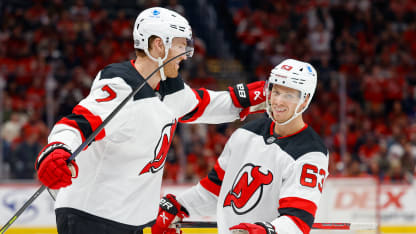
<point x="219" y="170"/>
<point x="202" y="105"/>
<point x="94" y="120"/>
<point x="298" y="203"/>
<point x="71" y="123"/>
<point x="301" y="225"/>
<point x="210" y="186"/>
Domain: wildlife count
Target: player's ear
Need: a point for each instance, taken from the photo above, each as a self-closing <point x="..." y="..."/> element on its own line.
<point x="157" y="48"/>
<point x="305" y="102"/>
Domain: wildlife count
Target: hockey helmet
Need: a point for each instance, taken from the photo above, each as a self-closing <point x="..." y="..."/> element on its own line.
<point x="293" y="74"/>
<point x="163" y="23"/>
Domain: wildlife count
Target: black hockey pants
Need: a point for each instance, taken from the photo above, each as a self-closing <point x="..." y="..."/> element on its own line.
<point x="72" y="221"/>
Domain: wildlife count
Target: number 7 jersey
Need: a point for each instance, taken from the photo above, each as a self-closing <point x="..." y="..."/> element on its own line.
<point x="262" y="177"/>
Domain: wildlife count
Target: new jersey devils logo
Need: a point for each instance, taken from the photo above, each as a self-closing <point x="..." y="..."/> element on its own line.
<point x="247" y="189"/>
<point x="161" y="150"/>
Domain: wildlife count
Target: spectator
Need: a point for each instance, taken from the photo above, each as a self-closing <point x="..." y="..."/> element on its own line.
<point x="11" y="129"/>
<point x="24" y="154"/>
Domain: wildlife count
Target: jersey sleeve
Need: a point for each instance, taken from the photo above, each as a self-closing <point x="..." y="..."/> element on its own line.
<point x="202" y="199"/>
<point x="202" y="105"/>
<point x="104" y="96"/>
<point x="301" y="191"/>
<point x="212" y="107"/>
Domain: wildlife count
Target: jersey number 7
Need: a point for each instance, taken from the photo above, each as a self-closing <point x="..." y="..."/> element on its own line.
<point x="309" y="177"/>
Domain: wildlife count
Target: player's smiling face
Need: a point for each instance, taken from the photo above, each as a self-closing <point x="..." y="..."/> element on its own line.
<point x="178" y="47"/>
<point x="283" y="102"/>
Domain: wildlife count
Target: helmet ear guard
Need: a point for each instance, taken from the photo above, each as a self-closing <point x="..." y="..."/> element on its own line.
<point x="293" y="74"/>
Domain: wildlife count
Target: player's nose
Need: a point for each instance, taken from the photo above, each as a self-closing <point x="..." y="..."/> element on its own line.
<point x="277" y="99"/>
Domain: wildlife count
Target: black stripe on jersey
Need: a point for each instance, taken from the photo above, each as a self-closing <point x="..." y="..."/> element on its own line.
<point x="129" y="74"/>
<point x="171" y="85"/>
<point x="213" y="176"/>
<point x="189" y="115"/>
<point x="301" y="214"/>
<point x="297" y="145"/>
<point x="83" y="124"/>
<point x="192" y="113"/>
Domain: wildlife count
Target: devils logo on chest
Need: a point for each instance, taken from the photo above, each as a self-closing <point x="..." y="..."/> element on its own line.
<point x="161" y="150"/>
<point x="247" y="189"/>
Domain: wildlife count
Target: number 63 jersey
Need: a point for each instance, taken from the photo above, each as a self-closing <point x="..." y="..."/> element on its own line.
<point x="263" y="177"/>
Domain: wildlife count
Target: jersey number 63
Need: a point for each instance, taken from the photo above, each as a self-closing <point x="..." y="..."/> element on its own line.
<point x="310" y="174"/>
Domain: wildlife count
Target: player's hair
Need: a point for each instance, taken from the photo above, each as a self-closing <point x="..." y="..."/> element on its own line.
<point x="140" y="53"/>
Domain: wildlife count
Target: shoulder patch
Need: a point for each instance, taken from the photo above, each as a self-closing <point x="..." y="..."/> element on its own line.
<point x="127" y="72"/>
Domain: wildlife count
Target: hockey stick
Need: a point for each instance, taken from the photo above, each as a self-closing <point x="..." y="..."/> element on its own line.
<point x="331" y="226"/>
<point x="88" y="141"/>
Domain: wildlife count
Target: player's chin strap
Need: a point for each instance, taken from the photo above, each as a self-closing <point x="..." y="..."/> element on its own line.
<point x="296" y="114"/>
<point x="159" y="60"/>
<point x="162" y="71"/>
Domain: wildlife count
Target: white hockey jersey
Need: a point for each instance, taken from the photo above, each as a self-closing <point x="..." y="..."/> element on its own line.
<point x="262" y="177"/>
<point x="120" y="172"/>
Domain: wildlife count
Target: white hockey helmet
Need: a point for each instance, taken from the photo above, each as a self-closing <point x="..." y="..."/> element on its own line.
<point x="293" y="74"/>
<point x="163" y="23"/>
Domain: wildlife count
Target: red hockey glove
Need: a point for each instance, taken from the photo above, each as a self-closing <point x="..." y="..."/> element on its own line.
<point x="169" y="208"/>
<point x="53" y="170"/>
<point x="246" y="96"/>
<point x="256" y="228"/>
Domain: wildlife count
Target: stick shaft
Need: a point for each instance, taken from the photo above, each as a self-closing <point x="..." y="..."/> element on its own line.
<point x="331" y="226"/>
<point x="23" y="208"/>
<point x="87" y="142"/>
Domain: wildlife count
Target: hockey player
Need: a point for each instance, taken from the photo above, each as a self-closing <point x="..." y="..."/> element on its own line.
<point x="119" y="174"/>
<point x="270" y="175"/>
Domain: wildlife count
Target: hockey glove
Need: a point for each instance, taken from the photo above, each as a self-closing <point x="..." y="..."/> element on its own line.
<point x="53" y="170"/>
<point x="256" y="228"/>
<point x="246" y="96"/>
<point x="170" y="211"/>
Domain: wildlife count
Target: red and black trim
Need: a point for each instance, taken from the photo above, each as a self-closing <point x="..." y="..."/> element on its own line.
<point x="213" y="181"/>
<point x="203" y="100"/>
<point x="84" y="121"/>
<point x="301" y="211"/>
<point x="281" y="137"/>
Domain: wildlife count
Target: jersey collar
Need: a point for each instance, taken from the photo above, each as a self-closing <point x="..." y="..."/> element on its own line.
<point x="282" y="137"/>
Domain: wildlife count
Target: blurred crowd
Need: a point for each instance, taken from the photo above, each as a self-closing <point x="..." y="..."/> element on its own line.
<point x="364" y="51"/>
